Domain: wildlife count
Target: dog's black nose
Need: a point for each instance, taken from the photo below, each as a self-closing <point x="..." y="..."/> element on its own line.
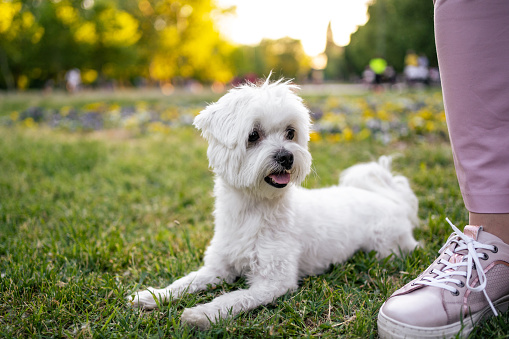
<point x="284" y="158"/>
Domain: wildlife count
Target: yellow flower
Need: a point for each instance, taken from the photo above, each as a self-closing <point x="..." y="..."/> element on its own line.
<point x="334" y="137"/>
<point x="64" y="111"/>
<point x="430" y="126"/>
<point x="115" y="108"/>
<point x="347" y="134"/>
<point x="158" y="127"/>
<point x="391" y="106"/>
<point x="94" y="106"/>
<point x="368" y="113"/>
<point x="169" y="114"/>
<point x="314" y="137"/>
<point x="426" y="114"/>
<point x="29" y="123"/>
<point x="384" y="115"/>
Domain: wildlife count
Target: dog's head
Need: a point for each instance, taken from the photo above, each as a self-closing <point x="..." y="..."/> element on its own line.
<point x="258" y="137"/>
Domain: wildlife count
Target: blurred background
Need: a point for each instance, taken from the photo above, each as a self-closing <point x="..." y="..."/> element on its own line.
<point x="212" y="44"/>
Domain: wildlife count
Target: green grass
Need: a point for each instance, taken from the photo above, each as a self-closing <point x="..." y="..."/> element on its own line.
<point x="87" y="218"/>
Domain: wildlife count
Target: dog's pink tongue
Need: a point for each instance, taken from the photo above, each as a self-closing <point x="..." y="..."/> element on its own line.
<point x="283" y="178"/>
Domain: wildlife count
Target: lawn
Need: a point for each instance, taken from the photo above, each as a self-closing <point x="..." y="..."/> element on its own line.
<point x="101" y="196"/>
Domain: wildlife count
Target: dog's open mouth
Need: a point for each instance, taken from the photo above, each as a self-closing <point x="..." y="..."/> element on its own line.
<point x="278" y="179"/>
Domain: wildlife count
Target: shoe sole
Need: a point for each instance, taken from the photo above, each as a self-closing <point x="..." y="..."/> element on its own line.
<point x="390" y="328"/>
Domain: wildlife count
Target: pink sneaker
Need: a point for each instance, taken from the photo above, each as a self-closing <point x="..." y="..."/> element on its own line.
<point x="468" y="282"/>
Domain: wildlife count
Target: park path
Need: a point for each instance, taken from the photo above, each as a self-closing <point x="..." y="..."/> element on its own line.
<point x="333" y="89"/>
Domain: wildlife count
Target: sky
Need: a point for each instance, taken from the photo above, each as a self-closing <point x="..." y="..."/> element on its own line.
<point x="305" y="20"/>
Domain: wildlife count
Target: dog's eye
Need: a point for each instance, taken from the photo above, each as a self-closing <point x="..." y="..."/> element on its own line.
<point x="290" y="134"/>
<point x="253" y="136"/>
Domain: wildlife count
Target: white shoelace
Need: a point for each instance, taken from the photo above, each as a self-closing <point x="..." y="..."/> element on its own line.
<point x="445" y="274"/>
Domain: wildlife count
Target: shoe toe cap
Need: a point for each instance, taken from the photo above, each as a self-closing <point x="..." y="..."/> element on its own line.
<point x="422" y="308"/>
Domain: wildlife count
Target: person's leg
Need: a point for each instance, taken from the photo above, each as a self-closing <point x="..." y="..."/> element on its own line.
<point x="473" y="54"/>
<point x="497" y="224"/>
<point x="469" y="278"/>
<point x="473" y="50"/>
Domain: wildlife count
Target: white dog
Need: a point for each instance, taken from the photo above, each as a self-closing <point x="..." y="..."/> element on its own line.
<point x="267" y="227"/>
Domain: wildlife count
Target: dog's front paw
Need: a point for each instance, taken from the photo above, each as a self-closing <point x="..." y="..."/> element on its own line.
<point x="197" y="317"/>
<point x="146" y="299"/>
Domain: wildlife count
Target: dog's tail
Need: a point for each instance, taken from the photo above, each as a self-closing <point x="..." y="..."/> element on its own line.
<point x="377" y="177"/>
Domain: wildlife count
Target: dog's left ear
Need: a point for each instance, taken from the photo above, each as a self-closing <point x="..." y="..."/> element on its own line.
<point x="214" y="122"/>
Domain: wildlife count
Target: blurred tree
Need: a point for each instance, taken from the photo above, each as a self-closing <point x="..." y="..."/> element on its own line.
<point x="19" y="36"/>
<point x="394" y="26"/>
<point x="180" y="40"/>
<point x="110" y="39"/>
<point x="285" y="57"/>
<point x="248" y="60"/>
<point x="46" y="38"/>
<point x="335" y="68"/>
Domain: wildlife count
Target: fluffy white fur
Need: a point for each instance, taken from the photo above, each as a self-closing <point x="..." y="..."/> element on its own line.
<point x="274" y="236"/>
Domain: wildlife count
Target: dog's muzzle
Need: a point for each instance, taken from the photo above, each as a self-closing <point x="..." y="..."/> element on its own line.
<point x="284" y="158"/>
<point x="281" y="178"/>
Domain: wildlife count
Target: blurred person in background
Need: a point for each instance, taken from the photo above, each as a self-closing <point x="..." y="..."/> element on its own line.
<point x="73" y="80"/>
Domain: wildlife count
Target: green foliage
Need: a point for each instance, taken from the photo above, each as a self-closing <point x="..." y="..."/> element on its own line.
<point x="285" y="57"/>
<point x="109" y="39"/>
<point x="47" y="38"/>
<point x="180" y="40"/>
<point x="394" y="27"/>
<point x="87" y="218"/>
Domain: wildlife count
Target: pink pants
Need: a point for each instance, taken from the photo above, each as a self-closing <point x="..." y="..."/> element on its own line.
<point x="472" y="40"/>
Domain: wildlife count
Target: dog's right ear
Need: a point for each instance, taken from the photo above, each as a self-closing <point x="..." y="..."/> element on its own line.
<point x="203" y="120"/>
<point x="214" y="124"/>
